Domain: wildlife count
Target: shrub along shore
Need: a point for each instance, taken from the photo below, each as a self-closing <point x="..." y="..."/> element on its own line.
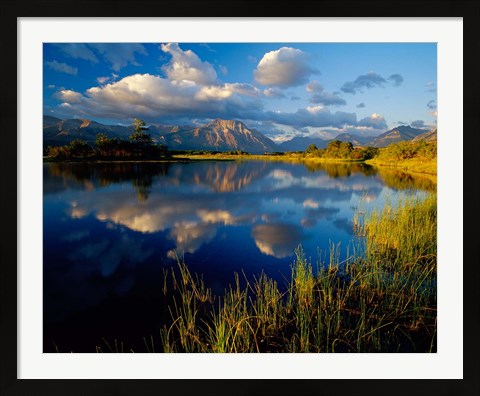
<point x="382" y="298"/>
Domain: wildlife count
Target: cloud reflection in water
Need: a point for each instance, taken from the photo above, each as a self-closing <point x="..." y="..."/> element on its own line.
<point x="124" y="215"/>
<point x="191" y="201"/>
<point x="278" y="240"/>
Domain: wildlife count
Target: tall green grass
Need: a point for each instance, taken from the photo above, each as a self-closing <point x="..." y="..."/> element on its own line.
<point x="382" y="300"/>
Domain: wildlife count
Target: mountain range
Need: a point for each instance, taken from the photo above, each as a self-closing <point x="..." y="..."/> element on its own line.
<point x="57" y="132"/>
<point x="395" y="135"/>
<point x="218" y="135"/>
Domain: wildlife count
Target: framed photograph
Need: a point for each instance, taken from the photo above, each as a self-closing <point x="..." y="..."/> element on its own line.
<point x="219" y="198"/>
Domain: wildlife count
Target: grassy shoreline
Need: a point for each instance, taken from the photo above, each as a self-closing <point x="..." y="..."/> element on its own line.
<point x="381" y="301"/>
<point x="412" y="166"/>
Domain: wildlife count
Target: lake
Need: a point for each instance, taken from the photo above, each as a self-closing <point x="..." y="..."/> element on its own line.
<point x="111" y="229"/>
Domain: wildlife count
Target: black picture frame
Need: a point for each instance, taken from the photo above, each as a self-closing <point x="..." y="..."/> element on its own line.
<point x="11" y="10"/>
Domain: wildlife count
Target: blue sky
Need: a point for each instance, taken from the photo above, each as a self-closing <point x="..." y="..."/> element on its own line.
<point x="281" y="89"/>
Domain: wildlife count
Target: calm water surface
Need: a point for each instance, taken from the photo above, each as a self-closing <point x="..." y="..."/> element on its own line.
<point x="110" y="230"/>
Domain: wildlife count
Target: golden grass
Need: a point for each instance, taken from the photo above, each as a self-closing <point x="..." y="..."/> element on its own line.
<point x="410" y="165"/>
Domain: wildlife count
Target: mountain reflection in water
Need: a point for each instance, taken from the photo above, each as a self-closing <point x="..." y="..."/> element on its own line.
<point x="110" y="229"/>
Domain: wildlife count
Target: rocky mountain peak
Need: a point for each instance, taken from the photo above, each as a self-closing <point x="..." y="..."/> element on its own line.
<point x="227" y="124"/>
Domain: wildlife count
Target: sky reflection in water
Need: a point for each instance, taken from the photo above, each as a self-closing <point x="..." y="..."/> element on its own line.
<point x="109" y="229"/>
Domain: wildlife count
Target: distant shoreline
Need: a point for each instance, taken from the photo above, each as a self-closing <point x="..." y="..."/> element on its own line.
<point x="408" y="166"/>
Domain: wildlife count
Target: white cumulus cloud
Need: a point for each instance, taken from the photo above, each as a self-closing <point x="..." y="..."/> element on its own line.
<point x="186" y="65"/>
<point x="154" y="97"/>
<point x="285" y="67"/>
<point x="69" y="96"/>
